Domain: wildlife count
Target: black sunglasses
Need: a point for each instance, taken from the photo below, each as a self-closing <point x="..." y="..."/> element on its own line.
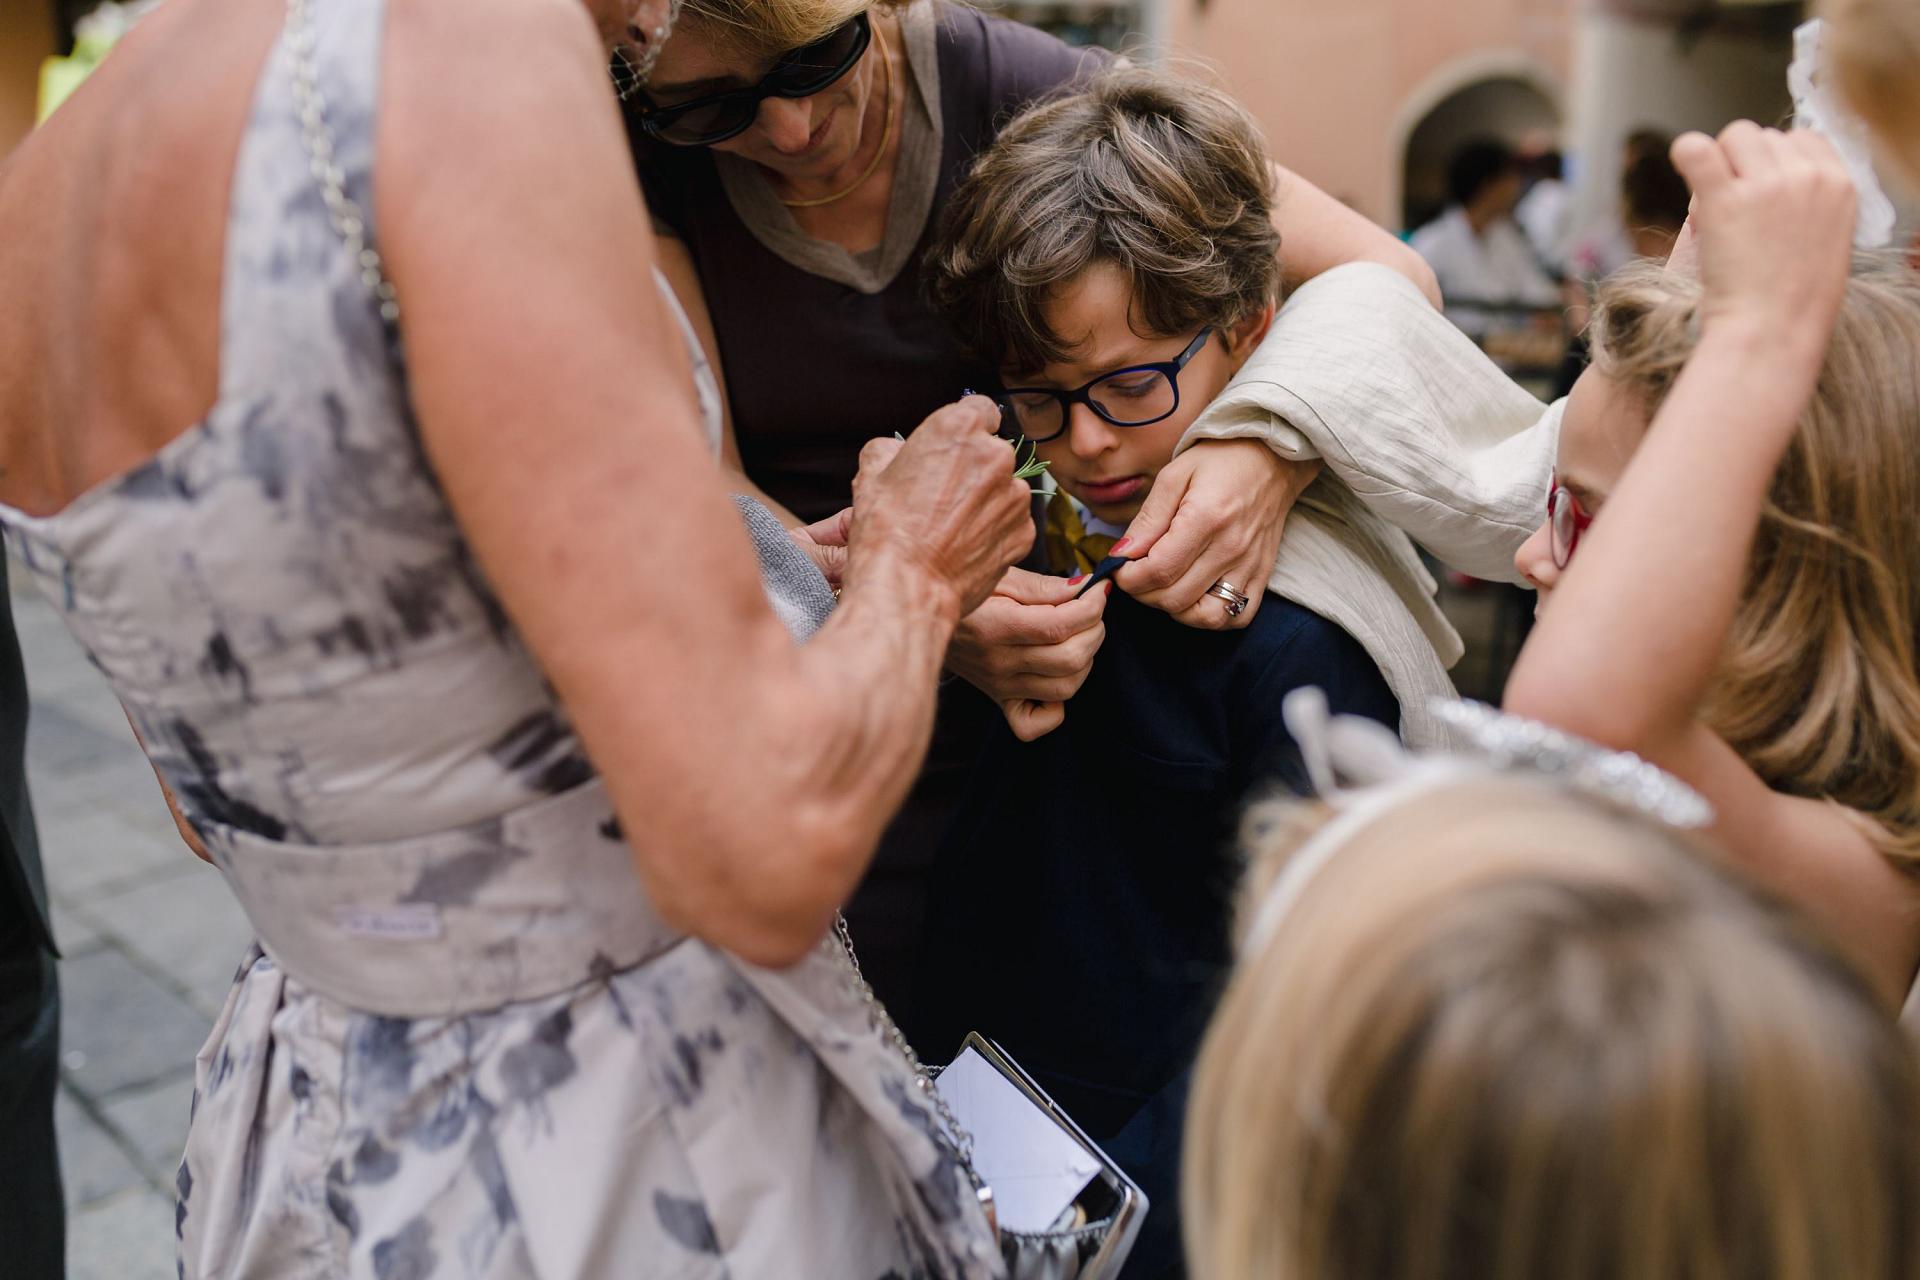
<point x="805" y="71"/>
<point x="1136" y="396"/>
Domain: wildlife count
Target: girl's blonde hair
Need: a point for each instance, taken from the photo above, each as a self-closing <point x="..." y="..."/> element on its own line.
<point x="768" y="28"/>
<point x="1818" y="689"/>
<point x="1876" y="50"/>
<point x="1508" y="1033"/>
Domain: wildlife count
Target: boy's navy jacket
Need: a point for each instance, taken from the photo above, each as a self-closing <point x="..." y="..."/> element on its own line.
<point x="1081" y="908"/>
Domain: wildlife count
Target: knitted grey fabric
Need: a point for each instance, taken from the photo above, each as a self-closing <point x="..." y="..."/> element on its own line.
<point x="795" y="587"/>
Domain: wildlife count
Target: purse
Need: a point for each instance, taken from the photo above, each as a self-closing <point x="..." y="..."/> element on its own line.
<point x="1094" y="1235"/>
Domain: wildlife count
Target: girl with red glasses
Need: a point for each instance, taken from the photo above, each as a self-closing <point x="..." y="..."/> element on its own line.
<point x="1729" y="567"/>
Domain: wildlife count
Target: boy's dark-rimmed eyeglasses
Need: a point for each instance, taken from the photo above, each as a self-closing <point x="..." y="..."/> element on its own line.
<point x="1136" y="396"/>
<point x="715" y="117"/>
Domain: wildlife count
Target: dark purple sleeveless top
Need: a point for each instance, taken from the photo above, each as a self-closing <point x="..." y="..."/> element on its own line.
<point x="816" y="368"/>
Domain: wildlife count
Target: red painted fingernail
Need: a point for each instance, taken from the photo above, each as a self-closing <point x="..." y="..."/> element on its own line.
<point x="1119" y="546"/>
<point x="1077" y="575"/>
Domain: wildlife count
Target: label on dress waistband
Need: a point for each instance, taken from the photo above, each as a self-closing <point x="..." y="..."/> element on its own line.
<point x="405" y="922"/>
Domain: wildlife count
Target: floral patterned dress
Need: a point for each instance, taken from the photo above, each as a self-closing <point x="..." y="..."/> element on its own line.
<point x="465" y="1045"/>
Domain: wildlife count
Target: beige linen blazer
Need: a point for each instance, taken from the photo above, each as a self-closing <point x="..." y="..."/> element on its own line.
<point x="1423" y="439"/>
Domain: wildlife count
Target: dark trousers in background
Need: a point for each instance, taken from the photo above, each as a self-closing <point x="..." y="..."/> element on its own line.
<point x="33" y="1226"/>
<point x="888" y="913"/>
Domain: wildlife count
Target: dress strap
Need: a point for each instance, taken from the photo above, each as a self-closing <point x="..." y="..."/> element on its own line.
<point x="279" y="238"/>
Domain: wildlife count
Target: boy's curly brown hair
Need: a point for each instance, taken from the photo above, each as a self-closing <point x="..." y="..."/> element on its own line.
<point x="1165" y="178"/>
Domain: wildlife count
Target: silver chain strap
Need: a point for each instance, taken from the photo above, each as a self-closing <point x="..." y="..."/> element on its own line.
<point x="348" y="220"/>
<point x="877" y="1011"/>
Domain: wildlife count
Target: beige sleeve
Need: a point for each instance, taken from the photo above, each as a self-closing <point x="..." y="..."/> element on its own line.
<point x="1358" y="370"/>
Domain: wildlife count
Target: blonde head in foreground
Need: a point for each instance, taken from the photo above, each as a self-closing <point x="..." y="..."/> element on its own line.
<point x="1510" y="1032"/>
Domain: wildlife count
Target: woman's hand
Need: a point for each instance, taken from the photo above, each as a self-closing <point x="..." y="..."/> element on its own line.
<point x="1774" y="217"/>
<point x="1215" y="514"/>
<point x="1030" y="647"/>
<point x="875" y="456"/>
<point x="825" y="543"/>
<point x="943" y="505"/>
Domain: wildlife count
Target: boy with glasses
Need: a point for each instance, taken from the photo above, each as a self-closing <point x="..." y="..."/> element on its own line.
<point x="1114" y="255"/>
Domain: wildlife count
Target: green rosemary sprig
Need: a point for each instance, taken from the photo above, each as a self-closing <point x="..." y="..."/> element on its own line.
<point x="1022" y="470"/>
<point x="1033" y="466"/>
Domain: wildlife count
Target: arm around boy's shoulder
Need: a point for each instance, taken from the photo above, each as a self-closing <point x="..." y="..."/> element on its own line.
<point x="1359" y="370"/>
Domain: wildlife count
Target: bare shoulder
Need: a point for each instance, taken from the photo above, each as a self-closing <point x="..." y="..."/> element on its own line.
<point x="457" y="67"/>
<point x="476" y="28"/>
<point x="489" y="97"/>
<point x="1812" y="852"/>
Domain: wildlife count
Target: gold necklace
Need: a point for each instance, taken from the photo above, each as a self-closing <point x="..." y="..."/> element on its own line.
<point x="886" y="136"/>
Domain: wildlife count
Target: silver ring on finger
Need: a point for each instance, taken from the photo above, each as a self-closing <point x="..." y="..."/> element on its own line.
<point x="1230" y="595"/>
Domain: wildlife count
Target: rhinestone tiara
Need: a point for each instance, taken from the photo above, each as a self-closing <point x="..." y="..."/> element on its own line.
<point x="1511" y="742"/>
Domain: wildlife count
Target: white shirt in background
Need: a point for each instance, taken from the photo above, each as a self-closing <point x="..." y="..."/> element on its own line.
<point x="1545" y="213"/>
<point x="1498" y="267"/>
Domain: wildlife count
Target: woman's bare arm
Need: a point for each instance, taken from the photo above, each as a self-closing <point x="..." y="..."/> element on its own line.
<point x="676" y="263"/>
<point x="1318" y="233"/>
<point x="752" y="777"/>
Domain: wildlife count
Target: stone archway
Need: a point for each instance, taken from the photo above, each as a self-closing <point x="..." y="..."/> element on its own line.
<point x="1498" y="96"/>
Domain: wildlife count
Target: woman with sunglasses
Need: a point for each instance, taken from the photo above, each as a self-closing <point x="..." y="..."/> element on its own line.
<point x="1729" y="570"/>
<point x="794" y="154"/>
<point x="363" y="453"/>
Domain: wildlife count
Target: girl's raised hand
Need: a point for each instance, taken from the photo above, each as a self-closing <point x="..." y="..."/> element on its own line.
<point x="1773" y="218"/>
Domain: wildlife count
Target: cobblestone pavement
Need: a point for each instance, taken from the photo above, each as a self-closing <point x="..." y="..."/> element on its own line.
<point x="149" y="937"/>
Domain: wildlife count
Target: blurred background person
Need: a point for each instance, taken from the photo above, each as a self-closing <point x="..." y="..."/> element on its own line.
<point x="1603" y="247"/>
<point x="1653" y="203"/>
<point x="1481" y="258"/>
<point x="1545" y="212"/>
<point x="1653" y="209"/>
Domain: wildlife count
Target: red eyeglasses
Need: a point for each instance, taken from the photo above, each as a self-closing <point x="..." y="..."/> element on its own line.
<point x="1565" y="522"/>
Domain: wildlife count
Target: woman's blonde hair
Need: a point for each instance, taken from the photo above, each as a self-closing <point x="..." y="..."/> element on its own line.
<point x="1876" y="50"/>
<point x="1508" y="1033"/>
<point x="768" y="28"/>
<point x="1818" y="690"/>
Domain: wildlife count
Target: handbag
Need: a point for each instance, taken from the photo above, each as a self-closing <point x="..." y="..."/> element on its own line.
<point x="1092" y="1240"/>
